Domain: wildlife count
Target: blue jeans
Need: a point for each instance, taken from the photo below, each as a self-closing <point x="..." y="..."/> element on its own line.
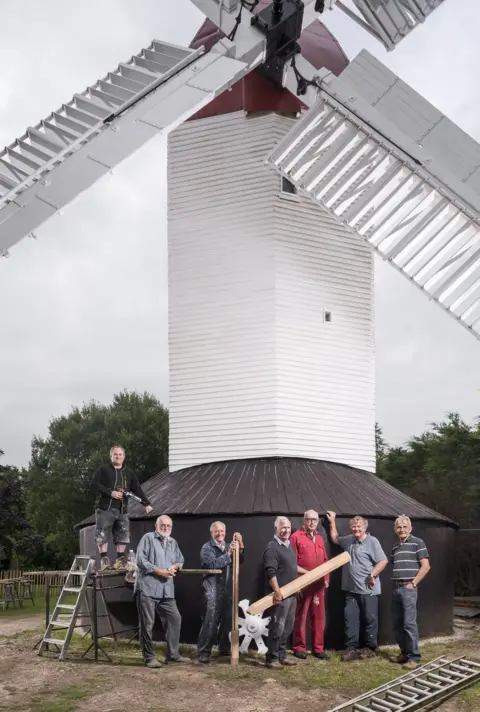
<point x="361" y="609"/>
<point x="404" y="614"/>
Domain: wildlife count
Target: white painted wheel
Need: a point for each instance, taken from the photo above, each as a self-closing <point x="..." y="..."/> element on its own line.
<point x="252" y="628"/>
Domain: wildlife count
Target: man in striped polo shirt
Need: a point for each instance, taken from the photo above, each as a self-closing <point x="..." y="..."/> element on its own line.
<point x="411" y="564"/>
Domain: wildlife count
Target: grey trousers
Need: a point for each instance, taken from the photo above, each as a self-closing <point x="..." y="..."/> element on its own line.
<point x="171" y="622"/>
<point x="280" y="628"/>
<point x="217" y="621"/>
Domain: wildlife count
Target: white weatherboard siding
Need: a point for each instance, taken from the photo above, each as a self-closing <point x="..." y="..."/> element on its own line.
<point x="255" y="371"/>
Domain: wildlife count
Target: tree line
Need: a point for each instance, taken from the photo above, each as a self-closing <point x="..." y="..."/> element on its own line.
<point x="42" y="503"/>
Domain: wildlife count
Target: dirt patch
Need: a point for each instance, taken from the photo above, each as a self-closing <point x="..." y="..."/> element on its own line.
<point x="12" y="626"/>
<point x="30" y="683"/>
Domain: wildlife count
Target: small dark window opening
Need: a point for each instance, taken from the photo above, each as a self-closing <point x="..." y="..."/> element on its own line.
<point x="288" y="187"/>
<point x="327" y="316"/>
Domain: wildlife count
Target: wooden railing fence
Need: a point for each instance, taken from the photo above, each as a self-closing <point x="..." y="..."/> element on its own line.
<point x="38" y="579"/>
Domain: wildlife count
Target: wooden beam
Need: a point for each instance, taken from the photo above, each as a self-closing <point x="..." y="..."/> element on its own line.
<point x="305" y="580"/>
<point x="235" y="642"/>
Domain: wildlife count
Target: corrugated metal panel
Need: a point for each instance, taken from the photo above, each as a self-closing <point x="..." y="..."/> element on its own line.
<point x="276" y="486"/>
<point x="254" y="371"/>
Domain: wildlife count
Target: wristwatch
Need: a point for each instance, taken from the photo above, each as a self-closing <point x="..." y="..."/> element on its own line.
<point x="414" y="584"/>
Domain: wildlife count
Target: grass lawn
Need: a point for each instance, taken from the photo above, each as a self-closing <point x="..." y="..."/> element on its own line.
<point x="30" y="609"/>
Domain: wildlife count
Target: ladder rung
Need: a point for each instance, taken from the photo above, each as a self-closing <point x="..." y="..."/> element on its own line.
<point x="414" y="690"/>
<point x="66" y="605"/>
<point x="72" y="589"/>
<point x="54" y="641"/>
<point x="469" y="662"/>
<point x="440" y="679"/>
<point x="377" y="705"/>
<point x="460" y="669"/>
<point x="388" y="705"/>
<point x="399" y="696"/>
<point x="360" y="708"/>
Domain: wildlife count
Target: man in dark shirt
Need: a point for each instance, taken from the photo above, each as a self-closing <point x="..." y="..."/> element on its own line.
<point x="411" y="564"/>
<point x="280" y="565"/>
<point x="112" y="483"/>
<point x="217" y="589"/>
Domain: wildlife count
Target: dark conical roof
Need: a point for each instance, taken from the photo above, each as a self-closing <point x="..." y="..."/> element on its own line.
<point x="277" y="485"/>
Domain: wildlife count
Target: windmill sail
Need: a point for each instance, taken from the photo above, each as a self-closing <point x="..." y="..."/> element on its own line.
<point x="64" y="154"/>
<point x="399" y="174"/>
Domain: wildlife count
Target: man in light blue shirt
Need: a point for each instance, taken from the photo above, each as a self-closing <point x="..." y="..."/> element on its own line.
<point x="158" y="560"/>
<point x="361" y="585"/>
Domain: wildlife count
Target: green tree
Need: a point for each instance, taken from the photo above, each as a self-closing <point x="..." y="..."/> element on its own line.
<point x="441" y="469"/>
<point x="12" y="513"/>
<point x="62" y="464"/>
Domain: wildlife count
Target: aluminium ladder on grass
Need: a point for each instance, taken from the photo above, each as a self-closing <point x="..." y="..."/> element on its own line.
<point x="420" y="690"/>
<point x="64" y="616"/>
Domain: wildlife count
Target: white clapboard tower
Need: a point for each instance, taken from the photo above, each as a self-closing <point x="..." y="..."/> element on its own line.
<point x="275" y="210"/>
<point x="270" y="307"/>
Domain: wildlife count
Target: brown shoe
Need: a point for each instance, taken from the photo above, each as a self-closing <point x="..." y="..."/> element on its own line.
<point x="288" y="662"/>
<point x="410" y="665"/>
<point x="350" y="654"/>
<point x="274" y="665"/>
<point x="366" y="653"/>
<point x="400" y="659"/>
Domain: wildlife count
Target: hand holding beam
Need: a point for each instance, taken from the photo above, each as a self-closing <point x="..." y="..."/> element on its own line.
<point x="301" y="582"/>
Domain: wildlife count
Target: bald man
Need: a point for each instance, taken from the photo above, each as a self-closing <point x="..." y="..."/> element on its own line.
<point x="158" y="560"/>
<point x="309" y="547"/>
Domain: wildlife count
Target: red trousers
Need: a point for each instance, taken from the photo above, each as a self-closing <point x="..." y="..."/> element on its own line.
<point x="311" y="603"/>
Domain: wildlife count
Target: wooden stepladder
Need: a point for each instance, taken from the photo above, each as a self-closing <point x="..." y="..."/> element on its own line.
<point x="235" y="641"/>
<point x="64" y="616"/>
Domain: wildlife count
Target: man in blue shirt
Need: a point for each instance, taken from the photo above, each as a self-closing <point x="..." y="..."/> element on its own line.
<point x="361" y="585"/>
<point x="158" y="560"/>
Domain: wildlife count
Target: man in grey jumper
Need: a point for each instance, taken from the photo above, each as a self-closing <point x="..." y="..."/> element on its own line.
<point x="158" y="560"/>
<point x="280" y="565"/>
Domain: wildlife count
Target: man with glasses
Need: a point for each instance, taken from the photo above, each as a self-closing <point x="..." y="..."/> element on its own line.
<point x="309" y="547"/>
<point x="158" y="560"/>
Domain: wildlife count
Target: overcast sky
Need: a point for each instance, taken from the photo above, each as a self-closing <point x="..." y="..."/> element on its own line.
<point x="83" y="309"/>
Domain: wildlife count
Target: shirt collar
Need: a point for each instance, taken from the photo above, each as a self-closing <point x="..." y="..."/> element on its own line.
<point x="221" y="546"/>
<point x="163" y="539"/>
<point x="286" y="544"/>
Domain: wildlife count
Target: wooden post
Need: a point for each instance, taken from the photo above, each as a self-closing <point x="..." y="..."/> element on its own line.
<point x="294" y="586"/>
<point x="235" y="642"/>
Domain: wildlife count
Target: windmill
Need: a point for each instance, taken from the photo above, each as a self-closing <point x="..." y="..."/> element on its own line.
<point x="283" y="180"/>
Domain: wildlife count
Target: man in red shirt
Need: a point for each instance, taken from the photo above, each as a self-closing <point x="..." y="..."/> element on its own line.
<point x="310" y="549"/>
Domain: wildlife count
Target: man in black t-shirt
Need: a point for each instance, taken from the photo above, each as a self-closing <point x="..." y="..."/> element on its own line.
<point x="280" y="565"/>
<point x="112" y="483"/>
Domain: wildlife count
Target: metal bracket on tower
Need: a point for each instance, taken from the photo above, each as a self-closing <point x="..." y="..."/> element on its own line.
<point x="281" y="22"/>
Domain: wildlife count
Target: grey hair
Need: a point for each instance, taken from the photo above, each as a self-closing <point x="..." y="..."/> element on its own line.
<point x="359" y="519"/>
<point x="162" y="516"/>
<point x="403" y="518"/>
<point x="279" y="519"/>
<point x="214" y="524"/>
<point x="116" y="447"/>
